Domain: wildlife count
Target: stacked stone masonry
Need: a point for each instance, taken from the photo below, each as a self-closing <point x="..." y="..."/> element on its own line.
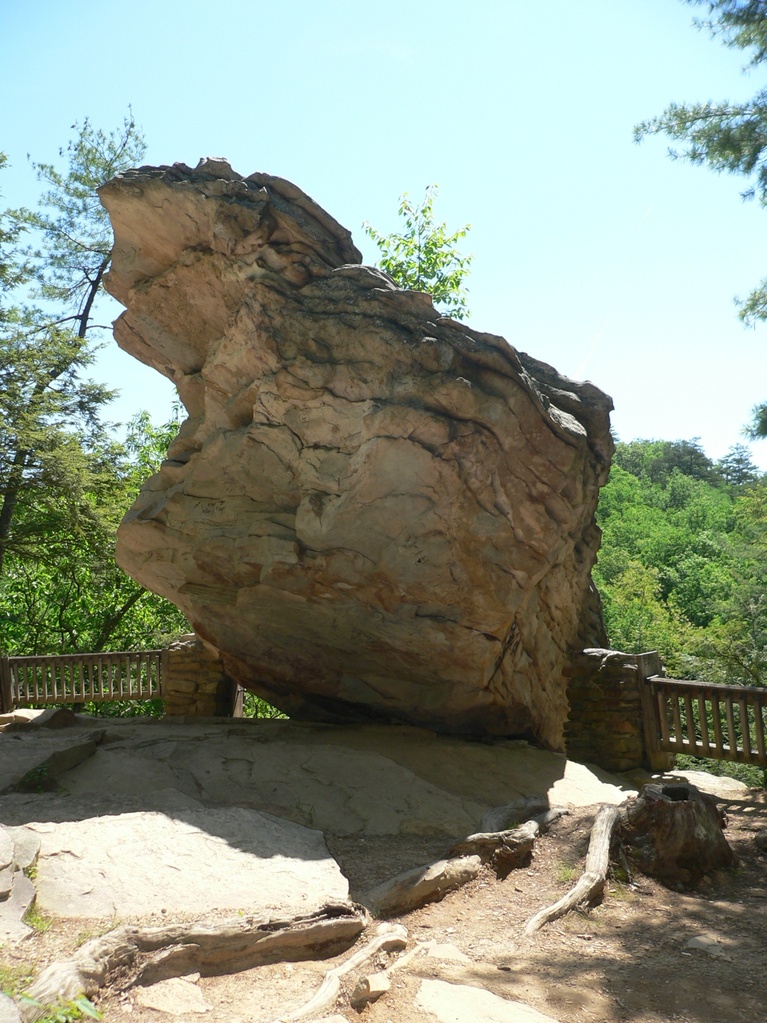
<point x="605" y="726"/>
<point x="195" y="681"/>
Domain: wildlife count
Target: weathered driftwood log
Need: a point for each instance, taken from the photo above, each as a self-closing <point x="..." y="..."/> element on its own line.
<point x="486" y="844"/>
<point x="506" y="850"/>
<point x="591" y="883"/>
<point x="145" y="955"/>
<point x="390" y="938"/>
<point x="502" y="818"/>
<point x="674" y="832"/>
<point x="416" y="887"/>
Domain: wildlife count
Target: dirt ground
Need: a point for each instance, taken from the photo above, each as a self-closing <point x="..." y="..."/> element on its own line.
<point x="625" y="960"/>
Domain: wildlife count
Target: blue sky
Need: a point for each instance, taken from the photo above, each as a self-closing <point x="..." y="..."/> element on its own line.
<point x="603" y="258"/>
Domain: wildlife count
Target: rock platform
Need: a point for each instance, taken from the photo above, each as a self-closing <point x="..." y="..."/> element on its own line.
<point x="191" y="818"/>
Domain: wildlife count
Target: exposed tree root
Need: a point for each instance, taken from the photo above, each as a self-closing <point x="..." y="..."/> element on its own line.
<point x="391" y="938"/>
<point x="591" y="884"/>
<point x="502" y="818"/>
<point x="416" y="887"/>
<point x="145" y="955"/>
<point x="506" y="850"/>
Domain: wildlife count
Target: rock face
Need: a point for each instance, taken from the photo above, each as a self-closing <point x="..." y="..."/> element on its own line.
<point x="371" y="511"/>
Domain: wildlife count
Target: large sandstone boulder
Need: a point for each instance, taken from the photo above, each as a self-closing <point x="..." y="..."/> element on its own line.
<point x="371" y="511"/>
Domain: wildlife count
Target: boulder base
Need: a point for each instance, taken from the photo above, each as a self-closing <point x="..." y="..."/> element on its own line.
<point x="372" y="511"/>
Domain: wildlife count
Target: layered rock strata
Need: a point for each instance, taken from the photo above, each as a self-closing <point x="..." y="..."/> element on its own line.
<point x="372" y="510"/>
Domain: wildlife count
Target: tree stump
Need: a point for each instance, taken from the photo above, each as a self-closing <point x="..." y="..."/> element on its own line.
<point x="674" y="832"/>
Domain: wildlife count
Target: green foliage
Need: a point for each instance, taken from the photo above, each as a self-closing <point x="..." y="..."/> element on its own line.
<point x="255" y="707"/>
<point x="14" y="268"/>
<point x="683" y="564"/>
<point x="52" y="447"/>
<point x="76" y="1009"/>
<point x="726" y="136"/>
<point x="737" y="467"/>
<point x="71" y="224"/>
<point x="37" y="780"/>
<point x="65" y="482"/>
<point x="756" y="777"/>
<point x="656" y="460"/>
<point x="125" y="708"/>
<point x="13" y="979"/>
<point x="425" y="256"/>
<point x="565" y="872"/>
<point x="36" y="920"/>
<point x="64" y="593"/>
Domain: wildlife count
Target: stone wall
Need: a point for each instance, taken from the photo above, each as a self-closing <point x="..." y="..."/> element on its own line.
<point x="605" y="725"/>
<point x="195" y="681"/>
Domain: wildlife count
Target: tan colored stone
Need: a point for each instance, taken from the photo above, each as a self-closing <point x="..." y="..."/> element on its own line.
<point x="462" y="1003"/>
<point x="176" y="997"/>
<point x="371" y="511"/>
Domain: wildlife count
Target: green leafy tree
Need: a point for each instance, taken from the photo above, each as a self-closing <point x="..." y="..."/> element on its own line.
<point x="65" y="481"/>
<point x="657" y="460"/>
<point x="45" y="349"/>
<point x="50" y="414"/>
<point x="425" y="256"/>
<point x="737" y="467"/>
<point x="75" y="236"/>
<point x="49" y="434"/>
<point x="728" y="137"/>
<point x="683" y="567"/>
<point x="68" y="594"/>
<point x="14" y="269"/>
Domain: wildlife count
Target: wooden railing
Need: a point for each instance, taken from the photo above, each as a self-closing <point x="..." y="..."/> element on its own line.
<point x="722" y="722"/>
<point x="80" y="678"/>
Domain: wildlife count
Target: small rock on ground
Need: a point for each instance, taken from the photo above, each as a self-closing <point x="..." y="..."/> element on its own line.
<point x="177" y="997"/>
<point x="8" y="1011"/>
<point x="14" y="909"/>
<point x="460" y="1003"/>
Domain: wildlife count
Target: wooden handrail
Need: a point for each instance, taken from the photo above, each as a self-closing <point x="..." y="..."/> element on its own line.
<point x="718" y="687"/>
<point x="82" y="678"/>
<point x="705" y="719"/>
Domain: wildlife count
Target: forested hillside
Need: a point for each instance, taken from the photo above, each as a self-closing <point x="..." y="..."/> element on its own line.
<point x="683" y="563"/>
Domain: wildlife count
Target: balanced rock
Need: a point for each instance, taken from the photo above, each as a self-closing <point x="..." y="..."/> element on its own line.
<point x="372" y="511"/>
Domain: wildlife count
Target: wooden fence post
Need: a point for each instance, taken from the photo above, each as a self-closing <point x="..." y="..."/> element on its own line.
<point x="163" y="672"/>
<point x="647" y="665"/>
<point x="6" y="696"/>
<point x="238" y="701"/>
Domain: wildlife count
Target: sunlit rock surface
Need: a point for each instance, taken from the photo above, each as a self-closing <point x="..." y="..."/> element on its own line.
<point x="371" y="511"/>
